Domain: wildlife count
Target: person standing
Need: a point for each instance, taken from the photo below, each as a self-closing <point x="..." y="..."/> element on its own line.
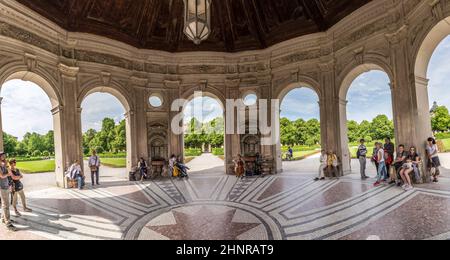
<point x="94" y="165"/>
<point x="5" y="178"/>
<point x="382" y="171"/>
<point x="375" y="156"/>
<point x="18" y="188"/>
<point x="143" y="169"/>
<point x="389" y="149"/>
<point x="290" y="154"/>
<point x="433" y="158"/>
<point x="362" y="156"/>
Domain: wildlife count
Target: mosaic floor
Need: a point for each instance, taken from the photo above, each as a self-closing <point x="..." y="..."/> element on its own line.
<point x="287" y="206"/>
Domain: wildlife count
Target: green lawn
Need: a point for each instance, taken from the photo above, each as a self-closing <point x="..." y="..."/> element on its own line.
<point x="114" y="162"/>
<point x="37" y="166"/>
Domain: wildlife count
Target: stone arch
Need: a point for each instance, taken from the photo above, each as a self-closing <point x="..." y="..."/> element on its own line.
<point x="425" y="48"/>
<point x="348" y="77"/>
<point x="352" y="72"/>
<point x="304" y="82"/>
<point x="214" y="93"/>
<point x="48" y="85"/>
<point x="39" y="77"/>
<point x="116" y="91"/>
<point x="210" y="91"/>
<point x="428" y="45"/>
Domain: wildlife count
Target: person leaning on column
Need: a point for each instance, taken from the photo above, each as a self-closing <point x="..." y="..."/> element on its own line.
<point x="5" y="190"/>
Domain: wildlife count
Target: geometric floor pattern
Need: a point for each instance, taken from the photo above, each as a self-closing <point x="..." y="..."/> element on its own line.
<point x="278" y="207"/>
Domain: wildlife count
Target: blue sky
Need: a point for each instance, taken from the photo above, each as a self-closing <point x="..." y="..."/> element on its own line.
<point x="204" y="109"/>
<point x="26" y="108"/>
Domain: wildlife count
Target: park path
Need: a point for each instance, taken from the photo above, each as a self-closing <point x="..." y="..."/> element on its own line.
<point x="207" y="163"/>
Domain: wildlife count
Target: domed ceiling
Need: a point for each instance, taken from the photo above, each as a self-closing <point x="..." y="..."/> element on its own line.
<point x="237" y="25"/>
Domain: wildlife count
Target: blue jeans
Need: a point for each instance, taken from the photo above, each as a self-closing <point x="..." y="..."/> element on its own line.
<point x="80" y="180"/>
<point x="382" y="171"/>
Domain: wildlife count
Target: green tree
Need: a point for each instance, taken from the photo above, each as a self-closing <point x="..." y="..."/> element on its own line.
<point x="381" y="128"/>
<point x="440" y="120"/>
<point x="10" y="144"/>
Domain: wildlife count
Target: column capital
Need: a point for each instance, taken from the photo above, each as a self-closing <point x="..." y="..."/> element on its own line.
<point x="342" y="102"/>
<point x="397" y="36"/>
<point x="421" y="82"/>
<point x="68" y="72"/>
<point x="57" y="109"/>
<point x="129" y="114"/>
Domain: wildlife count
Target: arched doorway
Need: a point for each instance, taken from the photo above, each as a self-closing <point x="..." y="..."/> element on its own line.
<point x="431" y="82"/>
<point x="38" y="145"/>
<point x="204" y="136"/>
<point x="300" y="128"/>
<point x="366" y="110"/>
<point x="107" y="128"/>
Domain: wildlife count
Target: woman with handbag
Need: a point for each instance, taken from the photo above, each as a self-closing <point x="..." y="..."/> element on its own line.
<point x="94" y="165"/>
<point x="433" y="159"/>
<point x="17" y="187"/>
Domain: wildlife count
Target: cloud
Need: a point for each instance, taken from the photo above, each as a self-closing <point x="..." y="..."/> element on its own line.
<point x="25" y="108"/>
<point x="96" y="107"/>
<point x="204" y="109"/>
<point x="300" y="103"/>
<point x="439" y="74"/>
<point x="369" y="95"/>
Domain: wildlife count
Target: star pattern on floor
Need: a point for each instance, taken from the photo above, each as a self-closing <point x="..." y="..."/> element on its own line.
<point x="204" y="224"/>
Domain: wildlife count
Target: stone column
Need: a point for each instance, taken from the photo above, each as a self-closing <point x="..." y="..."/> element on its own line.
<point x="409" y="95"/>
<point x="175" y="140"/>
<point x="131" y="129"/>
<point x="333" y="122"/>
<point x="140" y="137"/>
<point x="343" y="126"/>
<point x="67" y="124"/>
<point x="2" y="145"/>
<point x="232" y="141"/>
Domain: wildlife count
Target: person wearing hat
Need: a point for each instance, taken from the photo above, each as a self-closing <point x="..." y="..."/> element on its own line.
<point x="17" y="188"/>
<point x="5" y="178"/>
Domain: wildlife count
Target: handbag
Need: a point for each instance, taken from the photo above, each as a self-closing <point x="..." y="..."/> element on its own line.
<point x="94" y="167"/>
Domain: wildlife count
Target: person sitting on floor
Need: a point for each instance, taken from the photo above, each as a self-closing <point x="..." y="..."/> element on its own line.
<point x="323" y="166"/>
<point x="239" y="166"/>
<point x="75" y="173"/>
<point x="411" y="166"/>
<point x="332" y="165"/>
<point x="400" y="160"/>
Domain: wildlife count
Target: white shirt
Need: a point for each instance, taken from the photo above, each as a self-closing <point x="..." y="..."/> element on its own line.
<point x="381" y="155"/>
<point x="94" y="161"/>
<point x="433" y="151"/>
<point x="323" y="159"/>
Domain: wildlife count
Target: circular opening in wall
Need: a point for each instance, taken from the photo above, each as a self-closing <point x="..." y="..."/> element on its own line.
<point x="155" y="101"/>
<point x="250" y="99"/>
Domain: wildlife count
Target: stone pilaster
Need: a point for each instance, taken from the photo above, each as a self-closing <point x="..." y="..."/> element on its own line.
<point x="410" y="103"/>
<point x="232" y="141"/>
<point x="175" y="140"/>
<point x="332" y="122"/>
<point x="67" y="124"/>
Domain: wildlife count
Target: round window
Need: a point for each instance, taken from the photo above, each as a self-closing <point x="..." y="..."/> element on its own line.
<point x="155" y="101"/>
<point x="250" y="100"/>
